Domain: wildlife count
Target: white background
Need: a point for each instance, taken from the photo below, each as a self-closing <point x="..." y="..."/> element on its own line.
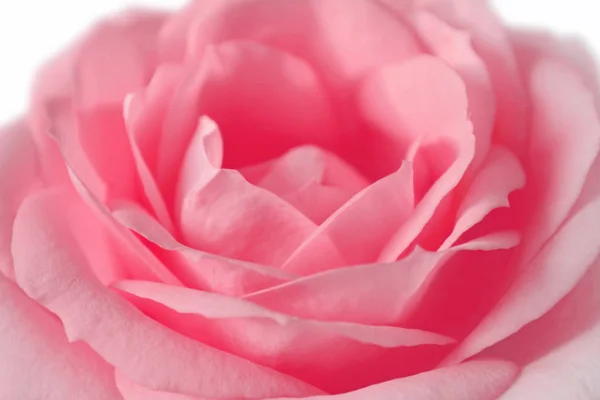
<point x="33" y="30"/>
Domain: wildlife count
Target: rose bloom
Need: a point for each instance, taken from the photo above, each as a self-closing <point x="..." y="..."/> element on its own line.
<point x="332" y="199"/>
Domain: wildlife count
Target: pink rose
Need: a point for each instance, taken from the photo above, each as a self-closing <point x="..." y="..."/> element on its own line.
<point x="266" y="199"/>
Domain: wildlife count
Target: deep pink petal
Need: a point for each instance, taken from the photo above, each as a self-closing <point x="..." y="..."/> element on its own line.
<point x="90" y="312"/>
<point x="241" y="85"/>
<point x="37" y="360"/>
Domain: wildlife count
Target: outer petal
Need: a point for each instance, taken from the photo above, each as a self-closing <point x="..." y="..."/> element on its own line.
<point x="475" y="380"/>
<point x="132" y="391"/>
<point x="79" y="97"/>
<point x="542" y="283"/>
<point x="357" y="355"/>
<point x="162" y="360"/>
<point x="319" y="31"/>
<point x="568" y="372"/>
<point x="18" y="170"/>
<point x="37" y="360"/>
<point x="566" y="137"/>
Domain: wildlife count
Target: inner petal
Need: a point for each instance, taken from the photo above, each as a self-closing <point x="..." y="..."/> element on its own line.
<point x="222" y="213"/>
<point x="311" y="179"/>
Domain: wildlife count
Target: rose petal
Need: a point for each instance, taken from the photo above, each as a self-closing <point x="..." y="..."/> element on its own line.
<point x="218" y="307"/>
<point x="222" y="213"/>
<point x="554" y="191"/>
<point x="423" y="104"/>
<point x="115" y="58"/>
<point x="82" y="107"/>
<point x="288" y="344"/>
<point x="575" y="314"/>
<point x="241" y="85"/>
<point x="475" y="380"/>
<point x="490" y="40"/>
<point x="566" y="135"/>
<point x="144" y="112"/>
<point x="377" y="294"/>
<point x="140" y="261"/>
<point x="132" y="391"/>
<point x="37" y="360"/>
<point x="89" y="312"/>
<point x="455" y="47"/>
<point x="331" y="51"/>
<point x="568" y="372"/>
<point x="360" y="228"/>
<point x="18" y="169"/>
<point x="499" y="176"/>
<point x="311" y="179"/>
<point x="196" y="268"/>
<point x="542" y="283"/>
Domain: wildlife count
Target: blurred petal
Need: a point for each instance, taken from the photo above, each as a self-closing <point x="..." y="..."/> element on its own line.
<point x="164" y="360"/>
<point x="37" y="360"/>
<point x="330" y="49"/>
<point x="18" y="170"/>
<point x="79" y="97"/>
